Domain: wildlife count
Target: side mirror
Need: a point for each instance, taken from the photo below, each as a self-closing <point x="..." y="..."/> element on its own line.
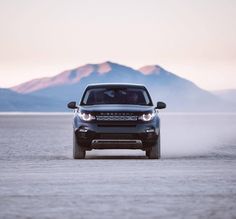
<point x="72" y="105"/>
<point x="161" y="105"/>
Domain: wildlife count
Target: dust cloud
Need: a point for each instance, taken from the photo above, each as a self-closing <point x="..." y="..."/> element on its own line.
<point x="197" y="134"/>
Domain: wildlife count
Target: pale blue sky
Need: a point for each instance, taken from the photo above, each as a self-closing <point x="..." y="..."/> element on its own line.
<point x="195" y="39"/>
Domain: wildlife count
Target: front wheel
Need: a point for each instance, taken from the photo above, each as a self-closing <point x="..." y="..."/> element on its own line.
<point x="155" y="150"/>
<point x="78" y="151"/>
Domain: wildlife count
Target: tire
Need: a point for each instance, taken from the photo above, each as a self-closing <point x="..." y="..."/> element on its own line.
<point x="78" y="151"/>
<point x="155" y="150"/>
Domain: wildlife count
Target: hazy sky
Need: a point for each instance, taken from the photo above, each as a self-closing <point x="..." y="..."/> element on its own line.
<point x="195" y="39"/>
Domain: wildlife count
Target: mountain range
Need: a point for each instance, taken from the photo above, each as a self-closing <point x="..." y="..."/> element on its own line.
<point x="52" y="93"/>
<point x="11" y="101"/>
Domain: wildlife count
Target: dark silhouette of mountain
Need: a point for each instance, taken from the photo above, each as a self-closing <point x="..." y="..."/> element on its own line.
<point x="179" y="94"/>
<point x="12" y="101"/>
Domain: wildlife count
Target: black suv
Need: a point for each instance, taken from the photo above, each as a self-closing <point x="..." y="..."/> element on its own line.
<point x="116" y="116"/>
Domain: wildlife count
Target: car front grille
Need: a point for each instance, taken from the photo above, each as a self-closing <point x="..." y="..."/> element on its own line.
<point x="116" y="116"/>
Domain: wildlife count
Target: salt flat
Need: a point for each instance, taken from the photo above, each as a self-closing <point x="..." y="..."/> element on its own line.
<point x="195" y="178"/>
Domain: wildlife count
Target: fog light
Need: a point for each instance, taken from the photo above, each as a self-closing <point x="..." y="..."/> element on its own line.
<point x="150" y="130"/>
<point x="83" y="130"/>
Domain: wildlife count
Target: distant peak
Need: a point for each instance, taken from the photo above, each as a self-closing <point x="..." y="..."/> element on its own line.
<point x="102" y="63"/>
<point x="104" y="67"/>
<point x="115" y="64"/>
<point x="108" y="62"/>
<point x="151" y="69"/>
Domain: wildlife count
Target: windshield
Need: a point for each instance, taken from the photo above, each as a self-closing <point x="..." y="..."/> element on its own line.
<point x="136" y="96"/>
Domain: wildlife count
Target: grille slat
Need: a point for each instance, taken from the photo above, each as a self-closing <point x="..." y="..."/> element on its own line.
<point x="116" y="116"/>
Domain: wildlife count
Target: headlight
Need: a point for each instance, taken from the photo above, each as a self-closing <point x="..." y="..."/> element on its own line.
<point x="147" y="117"/>
<point x="86" y="116"/>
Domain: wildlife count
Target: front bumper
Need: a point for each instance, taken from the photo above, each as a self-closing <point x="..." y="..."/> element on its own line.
<point x="117" y="135"/>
